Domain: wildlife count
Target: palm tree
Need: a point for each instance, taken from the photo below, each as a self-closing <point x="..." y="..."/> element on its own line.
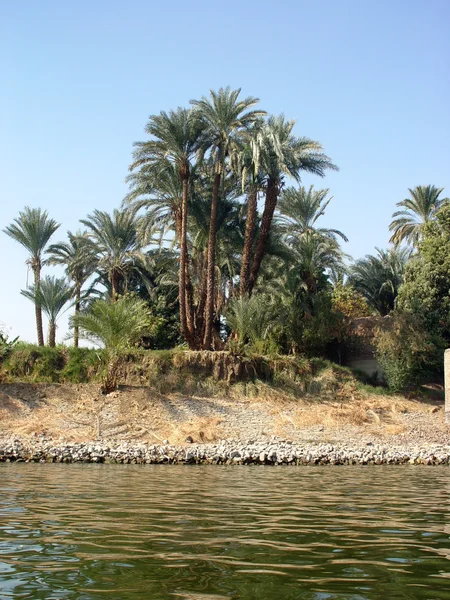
<point x="176" y="137"/>
<point x="118" y="326"/>
<point x="253" y="180"/>
<point x="379" y="277"/>
<point x="160" y="198"/>
<point x="224" y="118"/>
<point x="117" y="245"/>
<point x="51" y="295"/>
<point x="300" y="210"/>
<point x="421" y="207"/>
<point x="279" y="153"/>
<point x="252" y="318"/>
<point x="314" y="256"/>
<point x="33" y="229"/>
<point x="78" y="257"/>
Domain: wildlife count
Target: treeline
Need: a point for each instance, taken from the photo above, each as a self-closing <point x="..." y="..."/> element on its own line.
<point x="218" y="245"/>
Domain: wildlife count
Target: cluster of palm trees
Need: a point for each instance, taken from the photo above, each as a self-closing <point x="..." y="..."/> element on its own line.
<point x="378" y="277"/>
<point x="211" y="221"/>
<point x="210" y="164"/>
<point x="107" y="252"/>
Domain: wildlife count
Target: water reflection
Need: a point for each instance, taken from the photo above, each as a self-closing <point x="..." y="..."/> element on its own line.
<point x="96" y="531"/>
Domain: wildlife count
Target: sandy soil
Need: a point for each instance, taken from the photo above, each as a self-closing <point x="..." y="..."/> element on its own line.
<point x="80" y="413"/>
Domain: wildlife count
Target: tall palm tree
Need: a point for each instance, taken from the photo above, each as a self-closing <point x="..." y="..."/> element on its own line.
<point x="253" y="183"/>
<point x="160" y="198"/>
<point x="279" y="154"/>
<point x="379" y="277"/>
<point x="33" y="229"/>
<point x="176" y="137"/>
<point x="78" y="257"/>
<point x="224" y="117"/>
<point x="421" y="207"/>
<point x="228" y="245"/>
<point x="51" y="295"/>
<point x="300" y="210"/>
<point x="117" y="245"/>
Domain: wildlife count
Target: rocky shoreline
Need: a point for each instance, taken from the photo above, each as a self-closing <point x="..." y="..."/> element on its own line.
<point x="227" y="452"/>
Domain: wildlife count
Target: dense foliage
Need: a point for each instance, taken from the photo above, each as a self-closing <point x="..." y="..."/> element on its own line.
<point x="407" y="352"/>
<point x="6" y="345"/>
<point x="426" y="290"/>
<point x="218" y="245"/>
<point x="118" y="327"/>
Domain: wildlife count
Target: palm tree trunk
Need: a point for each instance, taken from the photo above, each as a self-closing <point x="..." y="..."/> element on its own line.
<point x="248" y="240"/>
<point x="110" y="380"/>
<point x="189" y="294"/>
<point x="115" y="283"/>
<point x="37" y="306"/>
<point x="209" y="308"/>
<point x="189" y="302"/>
<point x="199" y="312"/>
<point x="272" y="191"/>
<point x="182" y="282"/>
<point x="76" y="329"/>
<point x="52" y="334"/>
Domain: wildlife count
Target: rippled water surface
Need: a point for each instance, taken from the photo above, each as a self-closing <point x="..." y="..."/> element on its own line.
<point x="188" y="532"/>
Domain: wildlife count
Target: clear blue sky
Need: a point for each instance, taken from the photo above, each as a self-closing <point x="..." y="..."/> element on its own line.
<point x="369" y="80"/>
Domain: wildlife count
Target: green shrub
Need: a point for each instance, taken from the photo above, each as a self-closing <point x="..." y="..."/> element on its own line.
<point x="52" y="365"/>
<point x="39" y="363"/>
<point x="6" y="345"/>
<point x="119" y="326"/>
<point x="49" y="364"/>
<point x="20" y="362"/>
<point x="407" y="352"/>
<point x="82" y="364"/>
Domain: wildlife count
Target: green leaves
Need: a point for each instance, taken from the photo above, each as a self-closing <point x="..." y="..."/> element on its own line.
<point x="427" y="278"/>
<point x="300" y="210"/>
<point x="117" y="246"/>
<point x="406" y="351"/>
<point x="77" y="256"/>
<point x="252" y="319"/>
<point x="379" y="277"/>
<point x="118" y="326"/>
<point x="6" y="345"/>
<point x="407" y="224"/>
<point x="32" y="229"/>
<point x="52" y="295"/>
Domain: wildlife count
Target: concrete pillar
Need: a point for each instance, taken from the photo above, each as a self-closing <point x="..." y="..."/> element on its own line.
<point x="447" y="384"/>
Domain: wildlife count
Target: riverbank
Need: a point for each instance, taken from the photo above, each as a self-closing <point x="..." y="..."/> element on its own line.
<point x="243" y="424"/>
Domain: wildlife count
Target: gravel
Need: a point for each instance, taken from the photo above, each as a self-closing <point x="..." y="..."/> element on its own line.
<point x="271" y="452"/>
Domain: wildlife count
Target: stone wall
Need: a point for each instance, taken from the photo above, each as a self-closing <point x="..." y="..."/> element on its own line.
<point x="360" y="354"/>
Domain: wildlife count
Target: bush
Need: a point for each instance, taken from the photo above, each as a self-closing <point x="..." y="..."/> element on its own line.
<point x="407" y="352"/>
<point x="6" y="345"/>
<point x="119" y="326"/>
<point x="252" y="319"/>
<point x="52" y="365"/>
<point x="38" y="362"/>
<point x="81" y="365"/>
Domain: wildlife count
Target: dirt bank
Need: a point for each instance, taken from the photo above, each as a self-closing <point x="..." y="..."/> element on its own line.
<point x="79" y="413"/>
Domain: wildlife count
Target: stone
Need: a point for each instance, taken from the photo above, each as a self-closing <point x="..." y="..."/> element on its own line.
<point x="447" y="385"/>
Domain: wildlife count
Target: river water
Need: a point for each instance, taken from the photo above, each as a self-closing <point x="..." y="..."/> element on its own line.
<point x="210" y="533"/>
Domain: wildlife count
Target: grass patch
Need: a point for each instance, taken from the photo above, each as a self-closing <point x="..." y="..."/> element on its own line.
<point x="81" y="365"/>
<point x="41" y="364"/>
<point x="374" y="390"/>
<point x="201" y="374"/>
